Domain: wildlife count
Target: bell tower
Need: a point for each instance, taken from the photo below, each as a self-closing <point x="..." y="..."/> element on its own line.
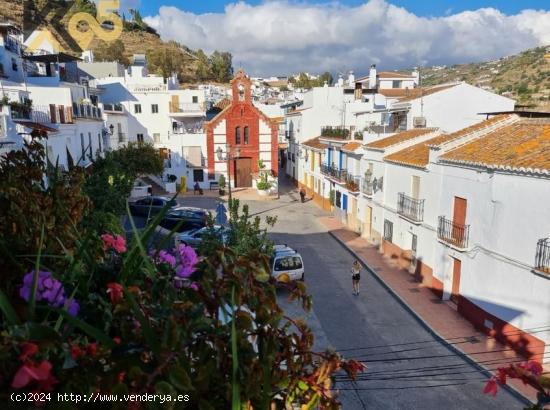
<point x="242" y="88"/>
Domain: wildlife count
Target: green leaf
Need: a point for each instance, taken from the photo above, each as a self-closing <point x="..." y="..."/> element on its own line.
<point x="41" y="332"/>
<point x="180" y="379"/>
<point x="303" y="385"/>
<point x="8" y="310"/>
<point x="86" y="328"/>
<point x="235" y="388"/>
<point x="32" y="300"/>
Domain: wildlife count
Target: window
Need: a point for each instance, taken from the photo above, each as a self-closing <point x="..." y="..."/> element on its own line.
<point x="238" y="135"/>
<point x="156" y="138"/>
<point x="396" y="83"/>
<point x="388" y="230"/>
<point x="198" y="175"/>
<point x="14" y="64"/>
<point x="155" y="108"/>
<point x="338" y="199"/>
<point x="137" y="108"/>
<point x="288" y="263"/>
<point x="140" y="138"/>
<point x="99" y="142"/>
<point x="246" y="135"/>
<point x="195" y="99"/>
<point x="90" y="148"/>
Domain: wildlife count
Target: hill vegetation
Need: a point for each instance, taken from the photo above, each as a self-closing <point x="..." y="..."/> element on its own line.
<point x="524" y="77"/>
<point x="164" y="57"/>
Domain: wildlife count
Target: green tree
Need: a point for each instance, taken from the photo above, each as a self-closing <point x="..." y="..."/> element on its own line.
<point x="326" y="76"/>
<point x="203" y="71"/>
<point x="221" y="64"/>
<point x="111" y="51"/>
<point x="166" y="60"/>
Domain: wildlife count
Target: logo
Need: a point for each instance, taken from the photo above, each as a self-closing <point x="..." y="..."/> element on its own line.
<point x="82" y="27"/>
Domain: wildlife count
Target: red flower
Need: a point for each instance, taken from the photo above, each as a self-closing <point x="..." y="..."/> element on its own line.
<point x="30" y="372"/>
<point x="91" y="349"/>
<point x="76" y="352"/>
<point x="117" y="340"/>
<point x="115" y="292"/>
<point x="121" y="376"/>
<point x="491" y="387"/>
<point x="27" y="350"/>
<point x="532" y="367"/>
<point x="501" y="376"/>
<point x="117" y="242"/>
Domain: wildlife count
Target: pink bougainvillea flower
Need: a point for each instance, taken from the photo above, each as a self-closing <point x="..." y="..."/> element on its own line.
<point x="532" y="367"/>
<point x="491" y="387"/>
<point x="108" y="241"/>
<point x="188" y="261"/>
<point x="194" y="286"/>
<point x="30" y="372"/>
<point x="117" y="242"/>
<point x="115" y="291"/>
<point x="167" y="258"/>
<point x="117" y="340"/>
<point x="28" y="350"/>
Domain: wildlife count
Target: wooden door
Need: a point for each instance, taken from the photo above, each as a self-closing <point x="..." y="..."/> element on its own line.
<point x="455" y="291"/>
<point x="368" y="221"/>
<point x="175" y="104"/>
<point x="459" y="220"/>
<point x="243" y="172"/>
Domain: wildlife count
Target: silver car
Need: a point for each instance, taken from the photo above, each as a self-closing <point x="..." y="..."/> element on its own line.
<point x="194" y="237"/>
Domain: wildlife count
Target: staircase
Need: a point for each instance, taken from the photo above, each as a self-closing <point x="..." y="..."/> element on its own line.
<point x="157" y="189"/>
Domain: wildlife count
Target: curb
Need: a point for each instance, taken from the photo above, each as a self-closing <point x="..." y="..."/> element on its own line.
<point x="483" y="369"/>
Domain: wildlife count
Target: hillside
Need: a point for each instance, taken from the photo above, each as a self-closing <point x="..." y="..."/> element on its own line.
<point x="164" y="57"/>
<point x="524" y="77"/>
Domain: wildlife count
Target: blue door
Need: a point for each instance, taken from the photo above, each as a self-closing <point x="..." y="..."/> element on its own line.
<point x="345" y="202"/>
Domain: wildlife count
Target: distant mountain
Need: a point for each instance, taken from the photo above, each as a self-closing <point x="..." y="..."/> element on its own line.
<point x="524" y="77"/>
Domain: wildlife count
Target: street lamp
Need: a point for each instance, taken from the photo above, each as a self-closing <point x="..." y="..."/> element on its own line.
<point x="112" y="129"/>
<point x="228" y="158"/>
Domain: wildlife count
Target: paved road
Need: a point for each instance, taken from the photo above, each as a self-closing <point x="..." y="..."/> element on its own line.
<point x="408" y="367"/>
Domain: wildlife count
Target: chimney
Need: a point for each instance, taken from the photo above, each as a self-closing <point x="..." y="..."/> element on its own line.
<point x="340" y="80"/>
<point x="351" y="79"/>
<point x="416" y="75"/>
<point x="372" y="77"/>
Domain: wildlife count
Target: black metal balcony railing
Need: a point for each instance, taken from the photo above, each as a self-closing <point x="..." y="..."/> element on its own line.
<point x="353" y="183"/>
<point x="453" y="233"/>
<point x="332" y="171"/>
<point x="410" y="208"/>
<point x="367" y="187"/>
<point x="113" y="107"/>
<point x="542" y="259"/>
<point x="86" y="111"/>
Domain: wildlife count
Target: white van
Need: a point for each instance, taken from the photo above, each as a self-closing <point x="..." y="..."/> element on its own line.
<point x="286" y="262"/>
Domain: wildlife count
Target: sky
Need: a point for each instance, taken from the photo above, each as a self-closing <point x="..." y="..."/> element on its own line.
<point x="280" y="37"/>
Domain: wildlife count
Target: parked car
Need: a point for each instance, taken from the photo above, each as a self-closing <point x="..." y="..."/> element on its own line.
<point x="194" y="238"/>
<point x="286" y="263"/>
<point x="150" y="205"/>
<point x="185" y="218"/>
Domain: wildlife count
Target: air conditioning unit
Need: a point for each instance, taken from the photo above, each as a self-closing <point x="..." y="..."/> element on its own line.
<point x="419" y="122"/>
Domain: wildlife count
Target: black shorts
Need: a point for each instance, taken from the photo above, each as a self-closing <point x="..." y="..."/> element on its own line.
<point x="356" y="277"/>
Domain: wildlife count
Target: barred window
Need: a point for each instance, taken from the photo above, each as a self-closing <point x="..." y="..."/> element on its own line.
<point x="388" y="230"/>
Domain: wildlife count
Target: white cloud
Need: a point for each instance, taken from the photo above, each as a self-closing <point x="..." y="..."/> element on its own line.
<point x="280" y="36"/>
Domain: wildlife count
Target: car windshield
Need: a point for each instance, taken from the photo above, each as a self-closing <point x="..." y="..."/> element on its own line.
<point x="288" y="263"/>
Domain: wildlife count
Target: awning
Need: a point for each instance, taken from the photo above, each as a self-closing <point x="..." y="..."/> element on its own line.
<point x="52" y="58"/>
<point x="35" y="126"/>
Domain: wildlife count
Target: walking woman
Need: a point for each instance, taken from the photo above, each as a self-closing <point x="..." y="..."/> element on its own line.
<point x="355" y="276"/>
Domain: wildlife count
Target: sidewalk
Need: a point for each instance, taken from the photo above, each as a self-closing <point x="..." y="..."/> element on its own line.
<point x="439" y="316"/>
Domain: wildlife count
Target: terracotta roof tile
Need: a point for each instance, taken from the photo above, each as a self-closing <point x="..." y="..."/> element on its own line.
<point x="315" y="143"/>
<point x="399" y="138"/>
<point x="223" y="104"/>
<point x="418" y="154"/>
<point x="351" y="146"/>
<point x="522" y="146"/>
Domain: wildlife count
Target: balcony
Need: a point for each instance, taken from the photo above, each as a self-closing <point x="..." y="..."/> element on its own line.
<point x="410" y="208"/>
<point x="367" y="188"/>
<point x="87" y="111"/>
<point x="182" y="128"/>
<point x="454" y="234"/>
<point x="542" y="259"/>
<point x="187" y="109"/>
<point x="333" y="172"/>
<point x="352" y="183"/>
<point x="336" y="132"/>
<point x="116" y="108"/>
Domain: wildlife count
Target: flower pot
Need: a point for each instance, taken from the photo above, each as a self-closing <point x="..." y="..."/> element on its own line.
<point x="263" y="192"/>
<point x="221" y="192"/>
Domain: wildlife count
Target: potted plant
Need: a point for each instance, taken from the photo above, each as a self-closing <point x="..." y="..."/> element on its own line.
<point x="332" y="199"/>
<point x="221" y="183"/>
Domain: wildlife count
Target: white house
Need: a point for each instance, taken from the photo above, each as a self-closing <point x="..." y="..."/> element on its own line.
<point x="451" y="207"/>
<point x="143" y="107"/>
